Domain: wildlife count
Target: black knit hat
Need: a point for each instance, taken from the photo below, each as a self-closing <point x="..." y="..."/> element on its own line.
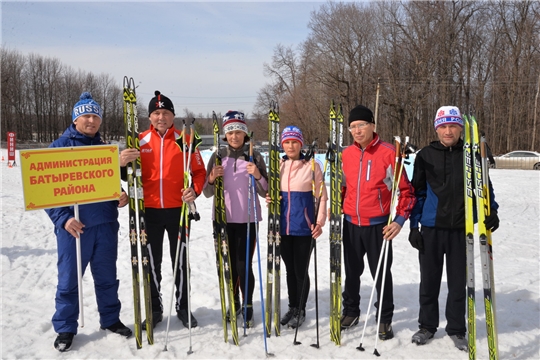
<point x="360" y="112"/>
<point x="160" y="102"/>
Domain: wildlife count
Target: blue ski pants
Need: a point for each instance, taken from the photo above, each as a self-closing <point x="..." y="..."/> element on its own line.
<point x="99" y="248"/>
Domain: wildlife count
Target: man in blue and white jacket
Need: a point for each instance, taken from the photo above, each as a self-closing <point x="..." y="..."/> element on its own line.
<point x="98" y="229"/>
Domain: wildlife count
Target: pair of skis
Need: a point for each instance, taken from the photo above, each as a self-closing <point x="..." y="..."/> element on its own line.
<point x="137" y="228"/>
<point x="221" y="245"/>
<point x="476" y="182"/>
<point x="273" y="282"/>
<point x="333" y="156"/>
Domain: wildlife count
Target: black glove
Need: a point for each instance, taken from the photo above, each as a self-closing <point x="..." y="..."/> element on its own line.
<point x="492" y="221"/>
<point x="416" y="239"/>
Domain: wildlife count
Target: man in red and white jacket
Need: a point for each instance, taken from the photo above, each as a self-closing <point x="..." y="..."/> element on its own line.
<point x="162" y="167"/>
<point x="368" y="168"/>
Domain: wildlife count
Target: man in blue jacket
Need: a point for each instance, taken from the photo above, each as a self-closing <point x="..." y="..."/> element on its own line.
<point x="98" y="229"/>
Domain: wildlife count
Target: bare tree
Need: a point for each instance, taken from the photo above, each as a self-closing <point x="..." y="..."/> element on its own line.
<point x="483" y="57"/>
<point x="480" y="56"/>
<point x="14" y="109"/>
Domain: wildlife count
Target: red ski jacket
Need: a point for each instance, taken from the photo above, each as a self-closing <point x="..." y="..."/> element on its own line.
<point x="368" y="181"/>
<point x="163" y="169"/>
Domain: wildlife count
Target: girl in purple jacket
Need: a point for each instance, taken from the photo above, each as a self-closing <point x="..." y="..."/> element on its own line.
<point x="236" y="168"/>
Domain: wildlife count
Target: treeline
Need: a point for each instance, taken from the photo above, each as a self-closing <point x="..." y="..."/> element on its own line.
<point x="482" y="56"/>
<point x="38" y="95"/>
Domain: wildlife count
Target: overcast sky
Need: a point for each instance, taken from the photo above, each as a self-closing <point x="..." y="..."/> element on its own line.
<point x="205" y="56"/>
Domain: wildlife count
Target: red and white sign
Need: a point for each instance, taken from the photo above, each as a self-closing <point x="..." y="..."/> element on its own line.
<point x="11" y="146"/>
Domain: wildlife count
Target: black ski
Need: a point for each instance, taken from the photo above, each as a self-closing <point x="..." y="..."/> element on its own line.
<point x="482" y="199"/>
<point x="469" y="236"/>
<point x="273" y="282"/>
<point x="137" y="228"/>
<point x="336" y="173"/>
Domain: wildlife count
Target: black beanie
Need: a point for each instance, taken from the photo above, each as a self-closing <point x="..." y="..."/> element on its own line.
<point x="160" y="102"/>
<point x="360" y="112"/>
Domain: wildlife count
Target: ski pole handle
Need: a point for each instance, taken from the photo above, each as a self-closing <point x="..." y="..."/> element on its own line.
<point x="193" y="213"/>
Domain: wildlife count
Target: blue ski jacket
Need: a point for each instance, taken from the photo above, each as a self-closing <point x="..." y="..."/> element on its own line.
<point x="99" y="248"/>
<point x="297" y="208"/>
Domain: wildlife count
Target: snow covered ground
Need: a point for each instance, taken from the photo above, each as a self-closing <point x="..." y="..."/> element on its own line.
<point x="28" y="260"/>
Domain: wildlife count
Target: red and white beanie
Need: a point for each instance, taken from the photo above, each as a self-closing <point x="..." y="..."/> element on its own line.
<point x="234" y="120"/>
<point x="448" y="115"/>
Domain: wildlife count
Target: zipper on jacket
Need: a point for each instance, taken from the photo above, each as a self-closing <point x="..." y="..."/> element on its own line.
<point x="451" y="154"/>
<point x="359" y="181"/>
<point x="235" y="159"/>
<point x="453" y="185"/>
<point x="368" y="170"/>
<point x="161" y="168"/>
<point x="237" y="153"/>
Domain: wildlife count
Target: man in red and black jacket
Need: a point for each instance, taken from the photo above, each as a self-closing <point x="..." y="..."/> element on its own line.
<point x="162" y="167"/>
<point x="368" y="168"/>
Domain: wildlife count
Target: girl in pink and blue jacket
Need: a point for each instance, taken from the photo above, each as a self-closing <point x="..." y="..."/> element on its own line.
<point x="299" y="222"/>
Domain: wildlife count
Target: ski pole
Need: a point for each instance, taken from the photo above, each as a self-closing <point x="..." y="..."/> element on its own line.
<point x="315" y="259"/>
<point x="395" y="187"/>
<point x="79" y="268"/>
<point x="306" y="273"/>
<point x="193" y="211"/>
<point x="263" y="314"/>
<point x="183" y="217"/>
<point x="383" y="250"/>
<point x="313" y="248"/>
<point x="248" y="238"/>
<point x="316" y="294"/>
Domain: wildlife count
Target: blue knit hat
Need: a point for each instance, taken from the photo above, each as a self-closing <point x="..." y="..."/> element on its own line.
<point x="292" y="133"/>
<point x="86" y="105"/>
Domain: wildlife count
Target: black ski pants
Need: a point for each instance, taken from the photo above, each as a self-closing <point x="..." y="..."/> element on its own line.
<point x="296" y="253"/>
<point x="237" y="236"/>
<point x="357" y="242"/>
<point x="157" y="222"/>
<point x="437" y="244"/>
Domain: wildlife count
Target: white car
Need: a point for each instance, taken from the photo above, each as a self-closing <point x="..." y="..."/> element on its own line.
<point x="519" y="159"/>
